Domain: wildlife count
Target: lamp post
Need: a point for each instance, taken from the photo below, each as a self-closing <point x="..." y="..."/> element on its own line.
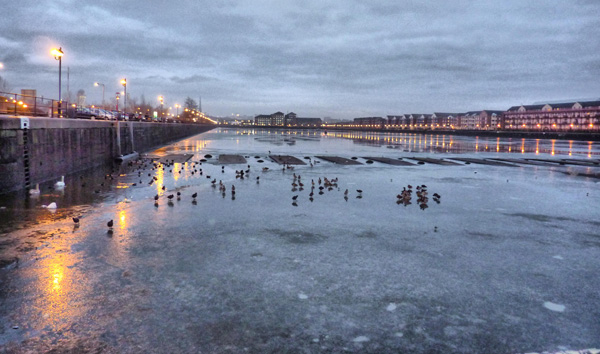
<point x="161" y="99"/>
<point x="99" y="84"/>
<point x="118" y="94"/>
<point x="58" y="54"/>
<point x="124" y="83"/>
<point x="177" y="106"/>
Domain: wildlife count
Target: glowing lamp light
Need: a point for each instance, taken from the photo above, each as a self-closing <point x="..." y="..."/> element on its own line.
<point x="58" y="53"/>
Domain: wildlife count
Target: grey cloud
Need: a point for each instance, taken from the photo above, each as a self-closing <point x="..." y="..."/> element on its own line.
<point x="191" y="79"/>
<point x="319" y="58"/>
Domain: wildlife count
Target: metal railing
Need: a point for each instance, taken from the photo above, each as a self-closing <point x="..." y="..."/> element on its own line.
<point x="19" y="104"/>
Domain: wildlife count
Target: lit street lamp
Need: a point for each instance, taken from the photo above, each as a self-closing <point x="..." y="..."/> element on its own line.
<point x="118" y="94"/>
<point x="124" y="83"/>
<point x="177" y="106"/>
<point x="161" y="99"/>
<point x="99" y="84"/>
<point x="58" y="54"/>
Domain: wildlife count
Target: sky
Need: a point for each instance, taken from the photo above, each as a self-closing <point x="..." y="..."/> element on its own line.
<point x="317" y="58"/>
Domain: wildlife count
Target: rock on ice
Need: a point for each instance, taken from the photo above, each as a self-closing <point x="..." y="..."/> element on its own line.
<point x="360" y="339"/>
<point x="554" y="307"/>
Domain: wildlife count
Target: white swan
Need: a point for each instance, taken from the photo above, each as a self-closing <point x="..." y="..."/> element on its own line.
<point x="61" y="183"/>
<point x="50" y="206"/>
<point x="36" y="190"/>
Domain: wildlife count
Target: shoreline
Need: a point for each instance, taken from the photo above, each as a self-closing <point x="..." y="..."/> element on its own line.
<point x="580" y="136"/>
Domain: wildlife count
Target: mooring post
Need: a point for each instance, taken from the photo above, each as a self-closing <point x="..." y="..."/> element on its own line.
<point x="131" y="134"/>
<point x="118" y="138"/>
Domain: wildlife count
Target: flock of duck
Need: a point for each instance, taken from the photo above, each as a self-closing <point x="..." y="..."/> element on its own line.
<point x="405" y="196"/>
<point x="318" y="186"/>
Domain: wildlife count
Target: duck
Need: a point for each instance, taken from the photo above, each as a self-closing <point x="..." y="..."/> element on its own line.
<point x="110" y="224"/>
<point x="61" y="183"/>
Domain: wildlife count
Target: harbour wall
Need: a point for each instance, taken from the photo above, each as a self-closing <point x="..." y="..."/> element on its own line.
<point x="35" y="150"/>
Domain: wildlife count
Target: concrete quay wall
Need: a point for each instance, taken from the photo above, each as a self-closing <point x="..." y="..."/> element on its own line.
<point x="35" y="150"/>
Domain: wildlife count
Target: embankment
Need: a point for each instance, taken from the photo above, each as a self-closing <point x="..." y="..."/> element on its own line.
<point x="35" y="150"/>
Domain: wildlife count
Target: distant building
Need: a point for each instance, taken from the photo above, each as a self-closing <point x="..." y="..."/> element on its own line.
<point x="275" y="119"/>
<point x="554" y="117"/>
<point x="398" y="121"/>
<point x="291" y="120"/>
<point x="480" y="120"/>
<point x="444" y="120"/>
<point x="371" y="122"/>
<point x="262" y="119"/>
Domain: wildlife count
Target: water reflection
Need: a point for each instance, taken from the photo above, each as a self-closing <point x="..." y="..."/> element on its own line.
<point x="60" y="284"/>
<point x="426" y="143"/>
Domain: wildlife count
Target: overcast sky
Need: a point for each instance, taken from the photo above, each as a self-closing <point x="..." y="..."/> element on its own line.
<point x="342" y="59"/>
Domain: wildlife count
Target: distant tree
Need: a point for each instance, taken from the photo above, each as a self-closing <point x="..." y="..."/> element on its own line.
<point x="190" y="103"/>
<point x="145" y="106"/>
<point x="4" y="86"/>
<point x="132" y="102"/>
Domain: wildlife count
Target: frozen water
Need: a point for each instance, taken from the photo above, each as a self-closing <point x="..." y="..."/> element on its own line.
<point x="224" y="273"/>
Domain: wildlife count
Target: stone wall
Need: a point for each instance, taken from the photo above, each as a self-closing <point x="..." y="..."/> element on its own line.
<point x="54" y="147"/>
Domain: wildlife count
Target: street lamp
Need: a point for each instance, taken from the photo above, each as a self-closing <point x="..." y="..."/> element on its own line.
<point x="177" y="106"/>
<point x="58" y="54"/>
<point x="124" y="83"/>
<point x="161" y="99"/>
<point x="99" y="84"/>
<point x="118" y="94"/>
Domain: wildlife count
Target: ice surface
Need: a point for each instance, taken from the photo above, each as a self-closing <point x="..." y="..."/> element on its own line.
<point x="221" y="274"/>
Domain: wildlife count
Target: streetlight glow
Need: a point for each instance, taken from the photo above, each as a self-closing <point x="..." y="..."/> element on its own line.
<point x="161" y="99"/>
<point x="124" y="83"/>
<point x="58" y="53"/>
